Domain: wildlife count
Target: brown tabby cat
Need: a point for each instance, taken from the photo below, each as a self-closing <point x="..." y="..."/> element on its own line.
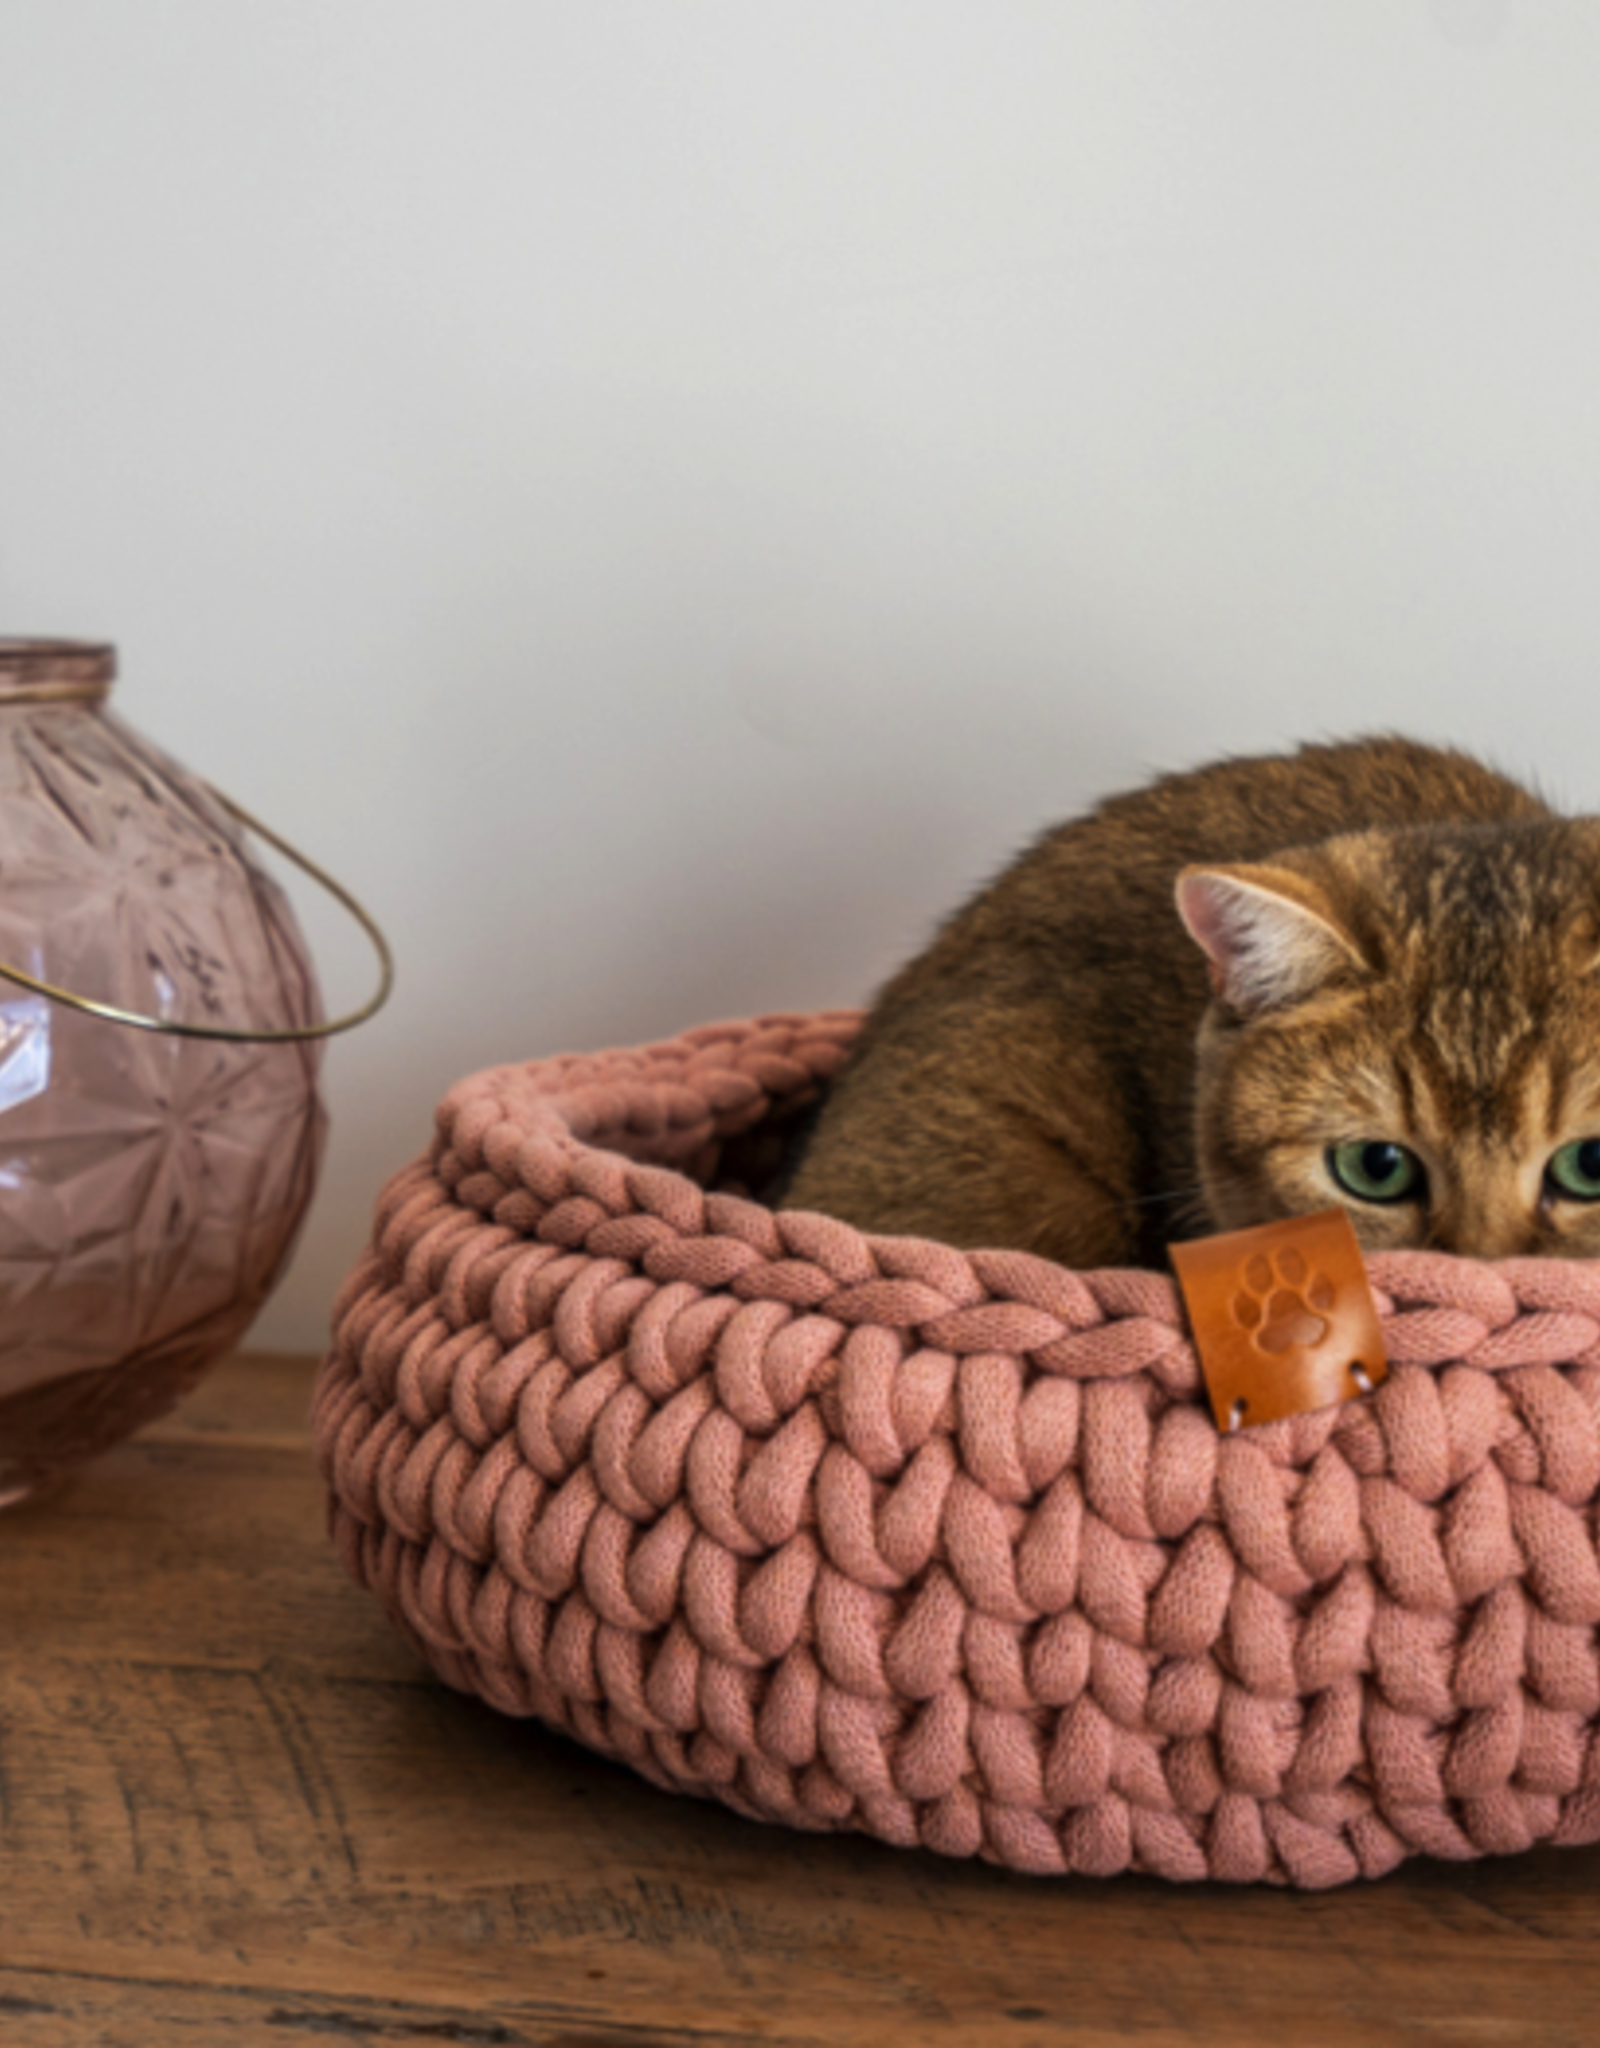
<point x="1393" y="1003"/>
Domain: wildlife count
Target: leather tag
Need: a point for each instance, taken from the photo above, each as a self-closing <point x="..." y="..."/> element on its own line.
<point x="1282" y="1317"/>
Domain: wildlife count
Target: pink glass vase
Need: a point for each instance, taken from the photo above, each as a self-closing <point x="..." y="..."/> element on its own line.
<point x="150" y="1184"/>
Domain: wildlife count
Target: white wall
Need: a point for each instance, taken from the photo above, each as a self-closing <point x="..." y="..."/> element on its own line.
<point x="661" y="495"/>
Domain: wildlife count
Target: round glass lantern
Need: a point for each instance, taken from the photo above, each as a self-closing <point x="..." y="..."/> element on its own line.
<point x="160" y="1026"/>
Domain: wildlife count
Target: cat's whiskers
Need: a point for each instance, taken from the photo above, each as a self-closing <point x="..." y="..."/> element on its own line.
<point x="1187" y="1194"/>
<point x="1186" y="1212"/>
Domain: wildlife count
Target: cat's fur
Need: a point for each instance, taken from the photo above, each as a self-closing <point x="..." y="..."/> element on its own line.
<point x="1394" y="943"/>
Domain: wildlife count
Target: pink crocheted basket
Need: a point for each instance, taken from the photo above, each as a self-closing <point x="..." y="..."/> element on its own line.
<point x="855" y="1532"/>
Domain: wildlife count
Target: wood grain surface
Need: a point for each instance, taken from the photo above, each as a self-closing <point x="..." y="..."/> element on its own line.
<point x="234" y="1808"/>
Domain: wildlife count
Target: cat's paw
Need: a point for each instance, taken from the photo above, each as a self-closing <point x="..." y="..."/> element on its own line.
<point x="1282" y="1301"/>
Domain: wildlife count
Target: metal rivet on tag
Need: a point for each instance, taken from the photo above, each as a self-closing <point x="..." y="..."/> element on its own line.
<point x="1282" y="1317"/>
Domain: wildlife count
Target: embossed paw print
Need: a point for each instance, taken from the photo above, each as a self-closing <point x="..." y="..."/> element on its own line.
<point x="1282" y="1301"/>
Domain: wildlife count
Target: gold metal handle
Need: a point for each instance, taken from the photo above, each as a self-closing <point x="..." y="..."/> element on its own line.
<point x="380" y="945"/>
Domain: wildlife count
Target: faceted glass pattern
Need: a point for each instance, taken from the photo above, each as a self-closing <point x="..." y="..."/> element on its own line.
<point x="150" y="1185"/>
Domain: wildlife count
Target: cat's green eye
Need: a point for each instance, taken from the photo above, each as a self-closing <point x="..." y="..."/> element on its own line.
<point x="1574" y="1171"/>
<point x="1375" y="1170"/>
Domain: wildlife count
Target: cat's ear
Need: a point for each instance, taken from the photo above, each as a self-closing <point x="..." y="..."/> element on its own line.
<point x="1270" y="935"/>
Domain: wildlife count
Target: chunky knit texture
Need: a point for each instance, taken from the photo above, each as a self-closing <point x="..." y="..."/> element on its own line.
<point x="855" y="1532"/>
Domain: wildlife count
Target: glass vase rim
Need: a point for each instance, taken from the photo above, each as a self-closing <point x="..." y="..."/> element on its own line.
<point x="28" y="665"/>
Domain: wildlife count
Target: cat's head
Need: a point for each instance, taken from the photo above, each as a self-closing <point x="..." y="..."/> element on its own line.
<point x="1407" y="1023"/>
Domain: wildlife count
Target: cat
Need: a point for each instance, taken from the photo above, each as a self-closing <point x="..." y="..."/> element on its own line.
<point x="1387" y="998"/>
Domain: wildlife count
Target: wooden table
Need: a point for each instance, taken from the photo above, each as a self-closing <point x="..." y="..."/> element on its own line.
<point x="235" y="1808"/>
